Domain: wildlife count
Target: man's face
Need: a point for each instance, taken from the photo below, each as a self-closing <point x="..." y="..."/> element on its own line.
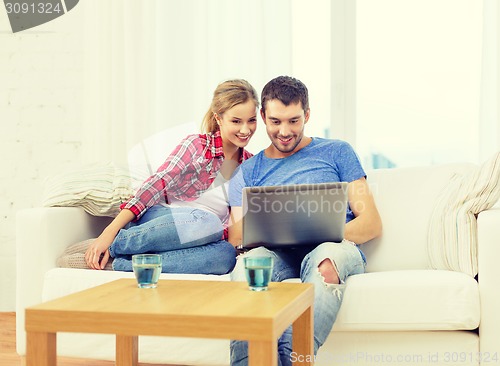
<point x="284" y="126"/>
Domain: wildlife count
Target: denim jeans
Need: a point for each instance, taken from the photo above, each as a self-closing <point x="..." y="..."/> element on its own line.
<point x="303" y="263"/>
<point x="188" y="239"/>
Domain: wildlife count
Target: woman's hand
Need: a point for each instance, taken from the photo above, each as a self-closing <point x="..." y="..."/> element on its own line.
<point x="97" y="255"/>
<point x="100" y="247"/>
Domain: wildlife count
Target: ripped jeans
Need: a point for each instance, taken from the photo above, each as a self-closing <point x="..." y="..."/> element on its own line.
<point x="303" y="262"/>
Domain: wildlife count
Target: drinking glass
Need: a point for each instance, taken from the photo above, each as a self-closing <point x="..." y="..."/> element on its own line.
<point x="258" y="272"/>
<point x="147" y="269"/>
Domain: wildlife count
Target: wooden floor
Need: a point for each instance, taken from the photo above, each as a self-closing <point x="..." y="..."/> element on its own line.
<point x="9" y="357"/>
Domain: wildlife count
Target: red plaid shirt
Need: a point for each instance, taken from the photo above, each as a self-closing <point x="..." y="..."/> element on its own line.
<point x="186" y="174"/>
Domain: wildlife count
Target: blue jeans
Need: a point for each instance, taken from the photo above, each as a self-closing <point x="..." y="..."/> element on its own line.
<point x="303" y="263"/>
<point x="188" y="239"/>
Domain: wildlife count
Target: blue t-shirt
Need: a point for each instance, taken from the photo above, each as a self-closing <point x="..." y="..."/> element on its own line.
<point x="322" y="161"/>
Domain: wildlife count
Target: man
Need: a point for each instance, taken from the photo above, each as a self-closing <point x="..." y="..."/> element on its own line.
<point x="293" y="158"/>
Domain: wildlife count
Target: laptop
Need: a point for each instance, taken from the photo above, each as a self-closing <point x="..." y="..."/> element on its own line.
<point x="294" y="215"/>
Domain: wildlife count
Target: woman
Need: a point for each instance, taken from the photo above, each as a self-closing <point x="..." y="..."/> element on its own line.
<point x="182" y="211"/>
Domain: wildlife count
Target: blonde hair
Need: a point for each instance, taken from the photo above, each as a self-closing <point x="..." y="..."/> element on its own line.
<point x="226" y="96"/>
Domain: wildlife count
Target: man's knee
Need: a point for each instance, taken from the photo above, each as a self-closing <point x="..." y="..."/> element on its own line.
<point x="328" y="271"/>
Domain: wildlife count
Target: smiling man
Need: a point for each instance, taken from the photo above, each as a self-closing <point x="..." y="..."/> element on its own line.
<point x="294" y="158"/>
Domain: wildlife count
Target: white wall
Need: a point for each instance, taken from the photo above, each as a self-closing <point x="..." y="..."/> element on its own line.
<point x="40" y="94"/>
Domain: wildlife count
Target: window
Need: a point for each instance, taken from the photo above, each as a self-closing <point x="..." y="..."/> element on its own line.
<point x="418" y="79"/>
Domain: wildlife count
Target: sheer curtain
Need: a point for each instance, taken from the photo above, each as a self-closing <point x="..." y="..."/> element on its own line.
<point x="489" y="128"/>
<point x="343" y="70"/>
<point x="119" y="68"/>
<point x="153" y="64"/>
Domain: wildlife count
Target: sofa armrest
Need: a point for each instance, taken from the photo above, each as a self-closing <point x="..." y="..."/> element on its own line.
<point x="488" y="232"/>
<point x="42" y="234"/>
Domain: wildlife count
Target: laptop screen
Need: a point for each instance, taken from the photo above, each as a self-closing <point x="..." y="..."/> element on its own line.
<point x="294" y="215"/>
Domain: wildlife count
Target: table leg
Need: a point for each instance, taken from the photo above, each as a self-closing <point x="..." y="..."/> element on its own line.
<point x="127" y="350"/>
<point x="263" y="353"/>
<point x="302" y="339"/>
<point x="41" y="349"/>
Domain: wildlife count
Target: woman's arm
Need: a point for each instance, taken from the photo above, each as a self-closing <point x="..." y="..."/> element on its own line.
<point x="103" y="242"/>
<point x="367" y="223"/>
<point x="170" y="174"/>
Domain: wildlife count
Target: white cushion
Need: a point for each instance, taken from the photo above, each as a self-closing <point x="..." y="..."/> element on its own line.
<point x="438" y="348"/>
<point x="394" y="300"/>
<point x="452" y="237"/>
<point x="98" y="188"/>
<point x="64" y="281"/>
<point x="405" y="198"/>
<point x="410" y="300"/>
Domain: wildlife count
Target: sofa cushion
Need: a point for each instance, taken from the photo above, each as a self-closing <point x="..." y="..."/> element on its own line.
<point x="458" y="348"/>
<point x="452" y="240"/>
<point x="383" y="301"/>
<point x="410" y="300"/>
<point x="64" y="281"/>
<point x="405" y="199"/>
<point x="98" y="188"/>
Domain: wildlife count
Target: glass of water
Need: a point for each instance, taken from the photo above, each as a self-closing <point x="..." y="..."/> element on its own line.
<point x="147" y="269"/>
<point x="258" y="271"/>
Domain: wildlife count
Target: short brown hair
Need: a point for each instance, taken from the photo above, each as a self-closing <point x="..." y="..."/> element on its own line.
<point x="287" y="90"/>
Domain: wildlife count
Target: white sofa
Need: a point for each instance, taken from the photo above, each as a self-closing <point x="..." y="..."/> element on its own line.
<point x="399" y="312"/>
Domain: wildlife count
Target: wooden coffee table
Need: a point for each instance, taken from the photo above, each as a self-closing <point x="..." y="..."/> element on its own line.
<point x="204" y="309"/>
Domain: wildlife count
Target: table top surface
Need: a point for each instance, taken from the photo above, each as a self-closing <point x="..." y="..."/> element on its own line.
<point x="175" y="307"/>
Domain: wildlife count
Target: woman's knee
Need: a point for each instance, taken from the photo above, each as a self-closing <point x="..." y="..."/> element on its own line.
<point x="226" y="256"/>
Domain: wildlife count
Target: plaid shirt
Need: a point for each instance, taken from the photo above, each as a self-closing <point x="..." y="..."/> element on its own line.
<point x="186" y="174"/>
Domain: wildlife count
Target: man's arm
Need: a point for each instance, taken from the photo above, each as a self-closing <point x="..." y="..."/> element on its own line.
<point x="367" y="223"/>
<point x="235" y="226"/>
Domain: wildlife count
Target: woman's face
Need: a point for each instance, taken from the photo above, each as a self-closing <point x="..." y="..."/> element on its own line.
<point x="238" y="124"/>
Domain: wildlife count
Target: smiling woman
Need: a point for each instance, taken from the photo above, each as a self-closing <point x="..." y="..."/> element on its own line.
<point x="182" y="209"/>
